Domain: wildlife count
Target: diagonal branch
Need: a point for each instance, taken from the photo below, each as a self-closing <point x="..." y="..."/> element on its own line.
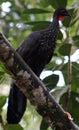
<point x="33" y="88"/>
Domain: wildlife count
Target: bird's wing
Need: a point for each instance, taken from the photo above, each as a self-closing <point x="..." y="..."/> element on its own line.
<point x="29" y="45"/>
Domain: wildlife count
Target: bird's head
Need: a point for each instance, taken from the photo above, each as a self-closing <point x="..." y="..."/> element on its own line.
<point x="60" y="13"/>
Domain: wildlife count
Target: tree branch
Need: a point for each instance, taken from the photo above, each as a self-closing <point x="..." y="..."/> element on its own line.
<point x="33" y="88"/>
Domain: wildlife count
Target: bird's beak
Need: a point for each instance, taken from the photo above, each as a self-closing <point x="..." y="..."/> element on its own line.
<point x="67" y="14"/>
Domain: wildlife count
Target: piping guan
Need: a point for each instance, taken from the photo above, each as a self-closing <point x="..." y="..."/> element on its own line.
<point x="36" y="50"/>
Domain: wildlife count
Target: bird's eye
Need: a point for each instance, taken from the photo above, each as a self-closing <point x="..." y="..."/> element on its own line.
<point x="62" y="11"/>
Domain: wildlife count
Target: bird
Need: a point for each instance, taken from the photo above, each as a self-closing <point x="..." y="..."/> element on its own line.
<point x="36" y="50"/>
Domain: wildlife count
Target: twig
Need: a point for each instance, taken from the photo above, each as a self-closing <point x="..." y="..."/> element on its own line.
<point x="69" y="71"/>
<point x="69" y="84"/>
<point x="2" y="123"/>
<point x="69" y="75"/>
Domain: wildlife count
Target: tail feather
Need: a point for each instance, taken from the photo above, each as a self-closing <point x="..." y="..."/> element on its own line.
<point x="16" y="105"/>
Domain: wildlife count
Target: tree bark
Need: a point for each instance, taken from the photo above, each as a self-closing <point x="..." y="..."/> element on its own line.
<point x="34" y="89"/>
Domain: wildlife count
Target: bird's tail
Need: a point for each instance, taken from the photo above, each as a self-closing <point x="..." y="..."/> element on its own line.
<point x="16" y="105"/>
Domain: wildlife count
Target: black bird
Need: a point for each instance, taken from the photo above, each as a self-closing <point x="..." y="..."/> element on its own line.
<point x="36" y="50"/>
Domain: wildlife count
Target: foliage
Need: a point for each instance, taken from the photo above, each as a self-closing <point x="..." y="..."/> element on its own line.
<point x="21" y="18"/>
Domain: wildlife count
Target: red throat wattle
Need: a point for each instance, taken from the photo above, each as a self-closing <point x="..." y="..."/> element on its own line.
<point x="60" y="17"/>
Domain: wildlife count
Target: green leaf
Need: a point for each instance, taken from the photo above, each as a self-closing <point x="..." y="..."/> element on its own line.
<point x="38" y="22"/>
<point x="14" y="127"/>
<point x="75" y="75"/>
<point x="3" y="68"/>
<point x="45" y="3"/>
<point x="65" y="49"/>
<point x="75" y="17"/>
<point x="75" y="37"/>
<point x="72" y="105"/>
<point x="59" y="3"/>
<point x="2" y="102"/>
<point x="64" y="72"/>
<point x="44" y="125"/>
<point x="67" y="20"/>
<point x="60" y="35"/>
<point x="54" y="3"/>
<point x="76" y="40"/>
<point x="50" y="65"/>
<point x="51" y="81"/>
<point x="1" y="75"/>
<point x="35" y="11"/>
<point x="40" y="26"/>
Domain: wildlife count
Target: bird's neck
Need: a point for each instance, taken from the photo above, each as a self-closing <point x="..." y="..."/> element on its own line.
<point x="52" y="30"/>
<point x="54" y="24"/>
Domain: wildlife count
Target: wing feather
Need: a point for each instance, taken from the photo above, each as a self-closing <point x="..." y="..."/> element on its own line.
<point x="29" y="45"/>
